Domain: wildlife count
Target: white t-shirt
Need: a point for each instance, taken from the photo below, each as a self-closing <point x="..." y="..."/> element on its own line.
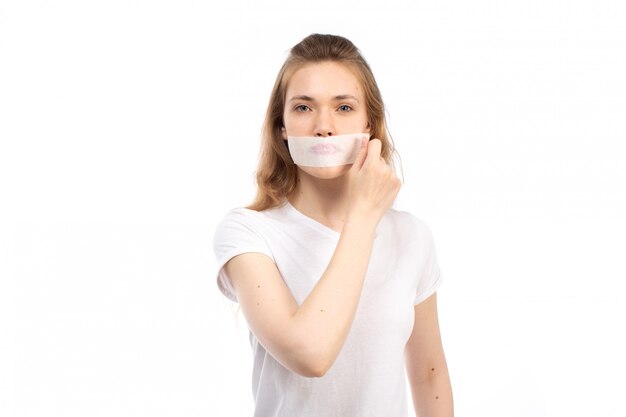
<point x="368" y="376"/>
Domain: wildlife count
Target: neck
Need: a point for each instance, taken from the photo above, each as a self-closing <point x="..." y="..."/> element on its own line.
<point x="325" y="200"/>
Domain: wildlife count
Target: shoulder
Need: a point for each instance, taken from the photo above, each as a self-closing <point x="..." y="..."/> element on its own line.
<point x="241" y="230"/>
<point x="241" y="220"/>
<point x="411" y="233"/>
<point x="404" y="221"/>
<point x="241" y="216"/>
<point x="240" y="213"/>
<point x="238" y="221"/>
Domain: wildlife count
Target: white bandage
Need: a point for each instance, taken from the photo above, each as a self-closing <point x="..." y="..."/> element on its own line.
<point x="330" y="151"/>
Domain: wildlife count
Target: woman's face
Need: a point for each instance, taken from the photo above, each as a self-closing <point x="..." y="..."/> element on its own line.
<point x="324" y="99"/>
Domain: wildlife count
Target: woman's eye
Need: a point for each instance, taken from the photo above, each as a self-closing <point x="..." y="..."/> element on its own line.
<point x="344" y="108"/>
<point x="302" y="107"/>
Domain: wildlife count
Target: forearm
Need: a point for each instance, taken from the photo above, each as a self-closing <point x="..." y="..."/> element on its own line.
<point x="432" y="397"/>
<point x="326" y="315"/>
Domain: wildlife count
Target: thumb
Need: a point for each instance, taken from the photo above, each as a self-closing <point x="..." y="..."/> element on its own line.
<point x="360" y="157"/>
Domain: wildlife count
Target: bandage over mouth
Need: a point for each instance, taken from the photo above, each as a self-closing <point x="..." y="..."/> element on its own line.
<point x="313" y="151"/>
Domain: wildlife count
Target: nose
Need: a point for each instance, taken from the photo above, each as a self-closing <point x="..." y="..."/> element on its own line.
<point x="324" y="125"/>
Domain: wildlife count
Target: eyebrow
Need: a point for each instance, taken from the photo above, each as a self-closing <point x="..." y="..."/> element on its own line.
<point x="336" y="98"/>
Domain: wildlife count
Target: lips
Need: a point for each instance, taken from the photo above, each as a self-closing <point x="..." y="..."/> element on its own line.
<point x="323" y="149"/>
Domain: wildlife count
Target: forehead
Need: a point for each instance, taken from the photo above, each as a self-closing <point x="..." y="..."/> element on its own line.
<point x="321" y="79"/>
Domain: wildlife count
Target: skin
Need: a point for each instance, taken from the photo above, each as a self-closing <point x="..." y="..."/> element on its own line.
<point x="426" y="366"/>
<point x="321" y="192"/>
<point x="350" y="199"/>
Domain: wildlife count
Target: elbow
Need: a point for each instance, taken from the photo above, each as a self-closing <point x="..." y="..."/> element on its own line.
<point x="310" y="357"/>
<point x="310" y="364"/>
<point x="308" y="369"/>
<point x="311" y="371"/>
<point x="316" y="370"/>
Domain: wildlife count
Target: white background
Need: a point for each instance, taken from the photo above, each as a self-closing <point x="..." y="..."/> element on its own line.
<point x="129" y="128"/>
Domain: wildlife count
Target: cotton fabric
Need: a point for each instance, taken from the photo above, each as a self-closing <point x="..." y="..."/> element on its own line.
<point x="368" y="377"/>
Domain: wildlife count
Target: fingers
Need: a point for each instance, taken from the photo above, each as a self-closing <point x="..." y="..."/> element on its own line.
<point x="373" y="183"/>
<point x="360" y="157"/>
<point x="373" y="151"/>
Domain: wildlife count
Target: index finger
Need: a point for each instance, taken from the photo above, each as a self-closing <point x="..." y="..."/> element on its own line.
<point x="373" y="151"/>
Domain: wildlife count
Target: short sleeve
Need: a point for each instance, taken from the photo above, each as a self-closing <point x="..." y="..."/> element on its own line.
<point x="236" y="233"/>
<point x="430" y="276"/>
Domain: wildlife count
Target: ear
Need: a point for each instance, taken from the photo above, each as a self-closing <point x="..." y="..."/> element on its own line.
<point x="283" y="132"/>
<point x="367" y="128"/>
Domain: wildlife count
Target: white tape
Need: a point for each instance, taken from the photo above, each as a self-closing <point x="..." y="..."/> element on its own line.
<point x="330" y="151"/>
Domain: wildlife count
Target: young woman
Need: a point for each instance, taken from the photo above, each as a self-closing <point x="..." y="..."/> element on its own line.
<point x="337" y="287"/>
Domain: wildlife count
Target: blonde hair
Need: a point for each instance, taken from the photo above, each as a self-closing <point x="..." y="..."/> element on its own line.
<point x="276" y="174"/>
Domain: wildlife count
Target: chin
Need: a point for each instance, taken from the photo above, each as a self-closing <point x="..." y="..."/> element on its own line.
<point x="326" y="173"/>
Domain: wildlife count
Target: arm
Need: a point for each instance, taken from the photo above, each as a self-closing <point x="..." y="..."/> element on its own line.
<point x="426" y="366"/>
<point x="308" y="338"/>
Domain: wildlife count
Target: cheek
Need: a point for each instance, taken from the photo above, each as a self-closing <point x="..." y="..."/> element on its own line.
<point x="295" y="126"/>
<point x="358" y="124"/>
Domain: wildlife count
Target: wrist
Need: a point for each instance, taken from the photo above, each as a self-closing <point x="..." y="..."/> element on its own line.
<point x="360" y="221"/>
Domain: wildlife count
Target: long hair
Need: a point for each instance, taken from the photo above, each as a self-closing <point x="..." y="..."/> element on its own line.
<point x="276" y="174"/>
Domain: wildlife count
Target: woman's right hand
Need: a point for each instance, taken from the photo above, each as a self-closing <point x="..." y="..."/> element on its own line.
<point x="373" y="184"/>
